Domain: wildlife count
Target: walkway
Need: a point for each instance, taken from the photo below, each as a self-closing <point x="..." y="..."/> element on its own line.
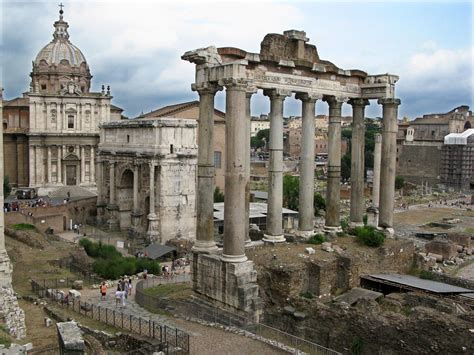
<point x="204" y="340"/>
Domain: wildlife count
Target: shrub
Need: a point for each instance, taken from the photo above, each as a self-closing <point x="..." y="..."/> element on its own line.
<point x="369" y="235"/>
<point x="316" y="239"/>
<point x="218" y="195"/>
<point x="345" y="224"/>
<point x="6" y="186"/>
<point x="307" y="295"/>
<point x="427" y="275"/>
<point x="365" y="219"/>
<point x="319" y="203"/>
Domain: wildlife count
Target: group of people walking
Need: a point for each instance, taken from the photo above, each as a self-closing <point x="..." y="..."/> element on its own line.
<point x="124" y="289"/>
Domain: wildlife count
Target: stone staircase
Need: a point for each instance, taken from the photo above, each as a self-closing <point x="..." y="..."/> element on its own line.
<point x="76" y="192"/>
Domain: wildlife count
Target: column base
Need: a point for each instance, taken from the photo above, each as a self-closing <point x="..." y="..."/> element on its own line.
<point x="389" y="231"/>
<point x="204" y="246"/>
<point x="304" y="234"/>
<point x="332" y="230"/>
<point x="356" y="224"/>
<point x="267" y="238"/>
<point x="233" y="258"/>
<point x="6" y="270"/>
<point x="153" y="234"/>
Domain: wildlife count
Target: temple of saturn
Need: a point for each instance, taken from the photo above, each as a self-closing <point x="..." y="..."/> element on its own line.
<point x="286" y="64"/>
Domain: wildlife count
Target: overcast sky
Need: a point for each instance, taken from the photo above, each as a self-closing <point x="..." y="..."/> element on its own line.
<point x="135" y="46"/>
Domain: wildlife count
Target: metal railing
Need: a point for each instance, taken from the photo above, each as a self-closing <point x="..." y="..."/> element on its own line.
<point x="224" y="317"/>
<point x="173" y="340"/>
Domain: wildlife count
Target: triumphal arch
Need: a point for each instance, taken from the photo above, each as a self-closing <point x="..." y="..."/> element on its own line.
<point x="286" y="64"/>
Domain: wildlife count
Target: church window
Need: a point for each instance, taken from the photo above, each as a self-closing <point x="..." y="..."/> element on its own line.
<point x="217" y="159"/>
<point x="70" y="121"/>
<point x="128" y="138"/>
<point x="43" y="87"/>
<point x="171" y="149"/>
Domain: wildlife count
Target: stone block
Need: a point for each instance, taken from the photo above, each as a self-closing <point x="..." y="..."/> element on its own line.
<point x="310" y="251"/>
<point x="70" y="338"/>
<point x="326" y="246"/>
<point x="464" y="240"/>
<point x="445" y="248"/>
<point x="78" y="285"/>
<point x="47" y="322"/>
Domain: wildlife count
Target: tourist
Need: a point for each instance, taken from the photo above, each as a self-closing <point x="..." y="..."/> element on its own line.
<point x="130" y="285"/>
<point x="103" y="290"/>
<point x="123" y="295"/>
<point x="125" y="287"/>
<point x="145" y="273"/>
<point x="118" y="297"/>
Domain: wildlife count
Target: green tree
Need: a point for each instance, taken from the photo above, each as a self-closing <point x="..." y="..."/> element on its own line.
<point x="399" y="182"/>
<point x="291" y="188"/>
<point x="218" y="195"/>
<point x="6" y="186"/>
<point x="319" y="203"/>
<point x="346" y="166"/>
<point x="262" y="138"/>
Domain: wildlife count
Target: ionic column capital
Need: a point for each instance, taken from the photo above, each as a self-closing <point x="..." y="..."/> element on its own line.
<point x="358" y="102"/>
<point x="111" y="164"/>
<point x="308" y="97"/>
<point x="279" y="94"/>
<point x="206" y="88"/>
<point x="389" y="101"/>
<point x="234" y="83"/>
<point x="335" y="101"/>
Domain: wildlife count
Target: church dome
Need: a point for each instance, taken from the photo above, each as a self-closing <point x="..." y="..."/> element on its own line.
<point x="60" y="63"/>
<point x="60" y="48"/>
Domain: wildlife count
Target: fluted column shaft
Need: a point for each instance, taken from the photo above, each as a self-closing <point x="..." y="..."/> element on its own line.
<point x="205" y="183"/>
<point x="389" y="157"/>
<point x="112" y="183"/>
<point x="376" y="176"/>
<point x="306" y="187"/>
<point x="92" y="166"/>
<point x="59" y="167"/>
<point x="49" y="164"/>
<point x="333" y="190"/>
<point x="274" y="230"/>
<point x="152" y="189"/>
<point x="32" y="158"/>
<point x="235" y="177"/>
<point x="135" y="188"/>
<point x="357" y="161"/>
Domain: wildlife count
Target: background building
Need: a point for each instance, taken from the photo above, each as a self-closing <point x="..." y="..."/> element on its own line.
<point x="52" y="132"/>
<point x="457" y="163"/>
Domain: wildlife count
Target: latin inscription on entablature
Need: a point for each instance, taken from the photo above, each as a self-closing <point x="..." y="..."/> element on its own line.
<point x="269" y="80"/>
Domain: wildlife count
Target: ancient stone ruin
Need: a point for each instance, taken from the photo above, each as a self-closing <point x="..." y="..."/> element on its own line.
<point x="286" y="64"/>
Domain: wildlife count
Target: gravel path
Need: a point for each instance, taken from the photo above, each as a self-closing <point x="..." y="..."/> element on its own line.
<point x="204" y="340"/>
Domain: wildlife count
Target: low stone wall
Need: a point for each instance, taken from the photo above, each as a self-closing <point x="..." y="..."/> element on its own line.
<point x="13" y="314"/>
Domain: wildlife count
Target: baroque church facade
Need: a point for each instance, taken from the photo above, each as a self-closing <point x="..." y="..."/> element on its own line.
<point x="51" y="134"/>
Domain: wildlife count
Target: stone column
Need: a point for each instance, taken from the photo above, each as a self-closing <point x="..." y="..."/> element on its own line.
<point x="101" y="204"/>
<point x="357" y="161"/>
<point x="389" y="156"/>
<point x="59" y="166"/>
<point x="83" y="164"/>
<point x="248" y="118"/>
<point x="112" y="207"/>
<point x="32" y="158"/>
<point x="333" y="190"/>
<point x="205" y="183"/>
<point x="92" y="166"/>
<point x="48" y="157"/>
<point x="152" y="232"/>
<point x="135" y="214"/>
<point x="5" y="265"/>
<point x="306" y="188"/>
<point x="376" y="175"/>
<point x="235" y="141"/>
<point x="274" y="231"/>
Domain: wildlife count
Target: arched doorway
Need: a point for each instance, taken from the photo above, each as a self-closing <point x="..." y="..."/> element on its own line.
<point x="125" y="198"/>
<point x="467" y="125"/>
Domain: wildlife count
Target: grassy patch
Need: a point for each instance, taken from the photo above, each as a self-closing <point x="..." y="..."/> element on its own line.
<point x="168" y="290"/>
<point x="24" y="227"/>
<point x="469" y="230"/>
<point x="5" y="338"/>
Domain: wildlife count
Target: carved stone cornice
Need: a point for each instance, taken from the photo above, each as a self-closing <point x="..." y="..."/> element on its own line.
<point x="251" y="89"/>
<point x="389" y="101"/>
<point x="358" y="102"/>
<point x="311" y="97"/>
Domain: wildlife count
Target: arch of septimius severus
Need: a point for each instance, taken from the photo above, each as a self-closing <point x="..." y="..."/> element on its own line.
<point x="286" y="64"/>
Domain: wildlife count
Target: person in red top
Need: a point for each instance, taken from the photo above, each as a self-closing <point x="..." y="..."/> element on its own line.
<point x="103" y="290"/>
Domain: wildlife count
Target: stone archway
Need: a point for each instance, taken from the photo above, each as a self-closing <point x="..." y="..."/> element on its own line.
<point x="467" y="125"/>
<point x="125" y="198"/>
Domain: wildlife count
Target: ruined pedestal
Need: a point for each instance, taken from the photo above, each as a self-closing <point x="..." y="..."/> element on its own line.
<point x="153" y="234"/>
<point x="113" y="222"/>
<point x="6" y="269"/>
<point x="70" y="339"/>
<point x="231" y="286"/>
